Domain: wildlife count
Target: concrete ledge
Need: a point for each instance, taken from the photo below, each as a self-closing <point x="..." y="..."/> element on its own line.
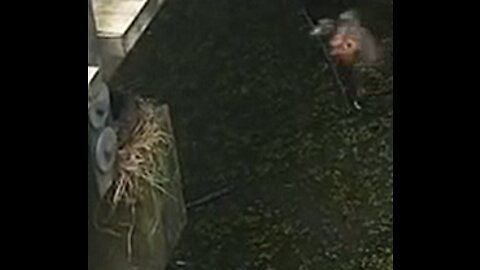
<point x="120" y="23"/>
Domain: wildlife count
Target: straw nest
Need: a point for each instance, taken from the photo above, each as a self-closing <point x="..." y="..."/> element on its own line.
<point x="132" y="205"/>
<point x="142" y="159"/>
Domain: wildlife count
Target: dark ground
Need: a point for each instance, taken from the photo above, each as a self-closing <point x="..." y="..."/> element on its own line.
<point x="252" y="109"/>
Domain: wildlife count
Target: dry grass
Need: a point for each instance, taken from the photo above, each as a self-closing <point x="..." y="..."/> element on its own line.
<point x="141" y="176"/>
<point x="142" y="160"/>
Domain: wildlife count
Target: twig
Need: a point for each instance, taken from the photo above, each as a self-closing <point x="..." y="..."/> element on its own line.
<point x="379" y="93"/>
<point x="131" y="230"/>
<point x="210" y="197"/>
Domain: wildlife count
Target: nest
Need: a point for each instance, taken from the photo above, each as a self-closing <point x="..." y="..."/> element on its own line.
<point x="132" y="207"/>
<point x="142" y="159"/>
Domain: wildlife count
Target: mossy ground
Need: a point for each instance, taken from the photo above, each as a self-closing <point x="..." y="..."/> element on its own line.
<point x="252" y="104"/>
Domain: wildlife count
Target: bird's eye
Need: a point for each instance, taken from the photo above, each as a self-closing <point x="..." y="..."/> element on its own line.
<point x="349" y="45"/>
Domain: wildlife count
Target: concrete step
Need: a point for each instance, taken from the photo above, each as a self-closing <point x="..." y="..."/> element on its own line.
<point x="119" y="25"/>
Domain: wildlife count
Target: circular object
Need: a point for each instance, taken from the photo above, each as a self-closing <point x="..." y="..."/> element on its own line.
<point x="106" y="149"/>
<point x="99" y="108"/>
